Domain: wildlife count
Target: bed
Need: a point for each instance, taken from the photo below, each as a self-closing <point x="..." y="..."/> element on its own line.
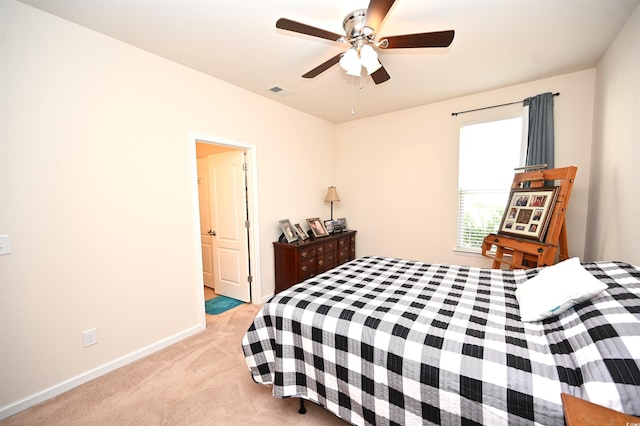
<point x="392" y="341"/>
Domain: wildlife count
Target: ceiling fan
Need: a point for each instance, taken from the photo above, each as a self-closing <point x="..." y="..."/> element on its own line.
<point x="360" y="28"/>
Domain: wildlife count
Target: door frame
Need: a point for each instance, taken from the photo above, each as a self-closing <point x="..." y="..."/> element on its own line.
<point x="252" y="205"/>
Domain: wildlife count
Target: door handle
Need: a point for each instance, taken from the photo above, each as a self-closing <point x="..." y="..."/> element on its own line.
<point x="212" y="233"/>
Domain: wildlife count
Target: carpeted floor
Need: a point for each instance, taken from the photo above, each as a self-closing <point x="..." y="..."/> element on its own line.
<point x="202" y="380"/>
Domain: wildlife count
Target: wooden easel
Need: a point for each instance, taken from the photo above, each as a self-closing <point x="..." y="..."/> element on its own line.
<point x="521" y="253"/>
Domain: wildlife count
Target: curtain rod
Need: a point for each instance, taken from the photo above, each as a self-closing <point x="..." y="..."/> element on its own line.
<point x="493" y="106"/>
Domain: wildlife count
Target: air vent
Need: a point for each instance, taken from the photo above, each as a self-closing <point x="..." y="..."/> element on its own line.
<point x="280" y="91"/>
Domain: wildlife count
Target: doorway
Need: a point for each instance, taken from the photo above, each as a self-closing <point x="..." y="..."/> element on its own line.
<point x="226" y="199"/>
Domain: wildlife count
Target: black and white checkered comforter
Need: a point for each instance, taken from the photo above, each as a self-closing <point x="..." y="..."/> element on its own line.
<point x="392" y="341"/>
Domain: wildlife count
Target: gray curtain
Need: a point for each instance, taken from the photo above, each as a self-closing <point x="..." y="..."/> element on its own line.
<point x="540" y="139"/>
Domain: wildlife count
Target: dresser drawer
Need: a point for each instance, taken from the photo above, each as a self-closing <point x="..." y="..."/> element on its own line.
<point x="345" y="250"/>
<point x="344" y="255"/>
<point x="308" y="268"/>
<point x="331" y="260"/>
<point x="306" y="254"/>
<point x="321" y="264"/>
<point x="344" y="244"/>
<point x="326" y="262"/>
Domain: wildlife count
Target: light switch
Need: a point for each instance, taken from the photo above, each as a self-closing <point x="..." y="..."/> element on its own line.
<point x="5" y="245"/>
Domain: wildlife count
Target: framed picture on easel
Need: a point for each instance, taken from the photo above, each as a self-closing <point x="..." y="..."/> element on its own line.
<point x="528" y="212"/>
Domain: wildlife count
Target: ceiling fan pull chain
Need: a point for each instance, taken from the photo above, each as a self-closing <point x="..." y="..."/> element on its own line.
<point x="352" y="84"/>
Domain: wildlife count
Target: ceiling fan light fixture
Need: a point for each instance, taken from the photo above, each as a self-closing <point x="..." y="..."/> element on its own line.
<point x="355" y="71"/>
<point x="360" y="28"/>
<point x="350" y="62"/>
<point x="369" y="59"/>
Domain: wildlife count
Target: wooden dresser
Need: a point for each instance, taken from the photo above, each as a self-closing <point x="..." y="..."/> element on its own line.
<point x="299" y="261"/>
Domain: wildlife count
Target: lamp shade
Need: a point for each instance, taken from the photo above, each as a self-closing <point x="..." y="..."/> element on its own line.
<point x="350" y="62"/>
<point x="369" y="59"/>
<point x="332" y="195"/>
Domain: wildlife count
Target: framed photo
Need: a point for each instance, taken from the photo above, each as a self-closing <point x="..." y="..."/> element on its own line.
<point x="528" y="212"/>
<point x="342" y="222"/>
<point x="317" y="228"/>
<point x="288" y="230"/>
<point x="328" y="225"/>
<point x="303" y="235"/>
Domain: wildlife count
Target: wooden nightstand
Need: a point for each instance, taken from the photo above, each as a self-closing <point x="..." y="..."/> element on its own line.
<point x="299" y="261"/>
<point x="578" y="412"/>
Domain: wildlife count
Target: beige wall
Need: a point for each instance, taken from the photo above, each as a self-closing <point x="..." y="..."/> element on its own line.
<point x="98" y="191"/>
<point x="99" y="196"/>
<point x="614" y="196"/>
<point x="397" y="173"/>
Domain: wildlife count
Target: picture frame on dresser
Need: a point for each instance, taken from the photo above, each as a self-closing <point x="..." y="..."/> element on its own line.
<point x="528" y="212"/>
<point x="342" y="221"/>
<point x="317" y="227"/>
<point x="288" y="230"/>
<point x="303" y="235"/>
<point x="328" y="225"/>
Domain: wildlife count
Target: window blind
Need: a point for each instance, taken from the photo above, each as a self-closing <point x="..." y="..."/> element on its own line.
<point x="489" y="153"/>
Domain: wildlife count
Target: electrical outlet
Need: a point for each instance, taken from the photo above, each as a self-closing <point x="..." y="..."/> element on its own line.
<point x="89" y="338"/>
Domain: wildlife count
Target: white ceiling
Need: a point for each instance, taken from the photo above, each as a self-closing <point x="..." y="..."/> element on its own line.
<point x="497" y="43"/>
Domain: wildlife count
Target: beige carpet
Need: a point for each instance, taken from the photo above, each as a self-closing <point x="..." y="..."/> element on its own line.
<point x="202" y="380"/>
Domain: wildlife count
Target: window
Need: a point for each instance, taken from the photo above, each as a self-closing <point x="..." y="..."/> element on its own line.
<point x="489" y="152"/>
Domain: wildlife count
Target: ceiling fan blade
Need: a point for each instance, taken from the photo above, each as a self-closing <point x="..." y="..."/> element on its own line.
<point x="434" y="39"/>
<point x="376" y="13"/>
<point x="380" y="75"/>
<point x="323" y="67"/>
<point x="297" y="27"/>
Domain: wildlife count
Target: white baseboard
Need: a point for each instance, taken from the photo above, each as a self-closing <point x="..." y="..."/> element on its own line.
<point x="55" y="390"/>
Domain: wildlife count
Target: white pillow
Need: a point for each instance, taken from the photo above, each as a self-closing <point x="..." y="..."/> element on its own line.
<point x="556" y="289"/>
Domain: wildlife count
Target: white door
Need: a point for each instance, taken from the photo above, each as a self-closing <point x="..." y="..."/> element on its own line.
<point x="229" y="243"/>
<point x="205" y="222"/>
